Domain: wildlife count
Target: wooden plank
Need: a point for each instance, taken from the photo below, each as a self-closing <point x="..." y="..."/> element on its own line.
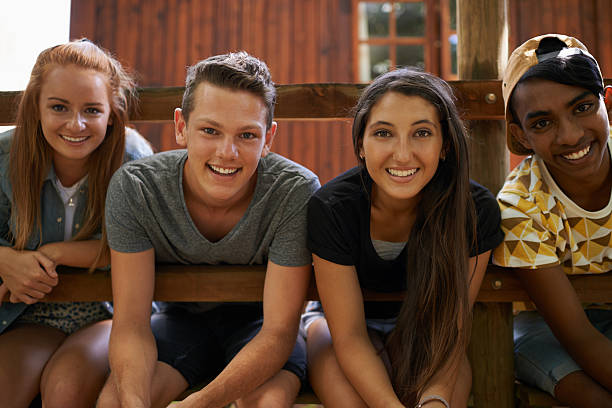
<point x="318" y="102"/>
<point x="245" y="283"/>
<point x="482" y="52"/>
<point x="491" y="355"/>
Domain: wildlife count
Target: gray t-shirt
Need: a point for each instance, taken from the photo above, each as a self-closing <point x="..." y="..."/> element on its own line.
<point x="145" y="208"/>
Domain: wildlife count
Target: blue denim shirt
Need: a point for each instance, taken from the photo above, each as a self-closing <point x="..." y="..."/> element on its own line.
<point x="52" y="208"/>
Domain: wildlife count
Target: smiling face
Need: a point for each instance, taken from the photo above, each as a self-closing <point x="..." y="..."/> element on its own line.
<point x="74" y="114"/>
<point x="225" y="137"/>
<point x="402" y="145"/>
<point x="566" y="126"/>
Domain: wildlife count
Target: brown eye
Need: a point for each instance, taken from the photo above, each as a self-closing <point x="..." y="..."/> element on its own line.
<point x="382" y="133"/>
<point x="584" y="107"/>
<point x="423" y="133"/>
<point x="540" y="124"/>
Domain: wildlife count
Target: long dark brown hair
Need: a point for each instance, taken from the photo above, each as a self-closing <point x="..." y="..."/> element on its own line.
<point x="434" y="321"/>
<point x="31" y="155"/>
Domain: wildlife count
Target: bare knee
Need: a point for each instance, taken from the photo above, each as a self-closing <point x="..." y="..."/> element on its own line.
<point x="108" y="397"/>
<point x="278" y="392"/>
<point x="63" y="393"/>
<point x="578" y="390"/>
<point x="272" y="399"/>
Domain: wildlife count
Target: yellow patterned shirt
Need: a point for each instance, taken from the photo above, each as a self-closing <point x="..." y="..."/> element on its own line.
<point x="544" y="228"/>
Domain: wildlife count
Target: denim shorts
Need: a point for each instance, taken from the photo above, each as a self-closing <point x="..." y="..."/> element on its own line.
<point x="200" y="345"/>
<point x="314" y="311"/>
<point x="539" y="359"/>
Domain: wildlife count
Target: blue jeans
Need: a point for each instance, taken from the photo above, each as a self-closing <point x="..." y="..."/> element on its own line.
<point x="539" y="359"/>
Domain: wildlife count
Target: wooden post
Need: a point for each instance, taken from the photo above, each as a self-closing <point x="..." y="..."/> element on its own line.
<point x="491" y="355"/>
<point x="482" y="53"/>
<point x="482" y="31"/>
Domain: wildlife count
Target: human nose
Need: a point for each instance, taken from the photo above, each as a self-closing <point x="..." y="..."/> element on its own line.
<point x="569" y="132"/>
<point x="76" y="123"/>
<point x="402" y="151"/>
<point x="227" y="148"/>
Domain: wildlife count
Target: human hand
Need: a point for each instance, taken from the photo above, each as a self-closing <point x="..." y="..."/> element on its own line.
<point x="27" y="275"/>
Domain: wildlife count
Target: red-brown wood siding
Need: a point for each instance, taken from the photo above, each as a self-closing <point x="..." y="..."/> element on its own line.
<point x="302" y="41"/>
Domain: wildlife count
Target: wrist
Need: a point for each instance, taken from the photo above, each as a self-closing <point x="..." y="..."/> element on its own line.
<point x="433" y="401"/>
<point x="53" y="251"/>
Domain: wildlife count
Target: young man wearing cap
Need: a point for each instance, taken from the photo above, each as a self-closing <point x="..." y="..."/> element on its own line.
<point x="225" y="199"/>
<point x="557" y="216"/>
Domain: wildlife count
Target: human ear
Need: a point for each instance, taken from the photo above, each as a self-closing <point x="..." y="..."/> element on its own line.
<point x="270" y="133"/>
<point x="180" y="128"/>
<point x="517" y="132"/>
<point x="608" y="99"/>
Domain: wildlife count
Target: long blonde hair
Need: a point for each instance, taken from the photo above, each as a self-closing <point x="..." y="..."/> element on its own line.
<point x="31" y="155"/>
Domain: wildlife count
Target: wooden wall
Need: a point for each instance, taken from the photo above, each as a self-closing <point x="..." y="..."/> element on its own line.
<point x="588" y="20"/>
<point x="302" y="41"/>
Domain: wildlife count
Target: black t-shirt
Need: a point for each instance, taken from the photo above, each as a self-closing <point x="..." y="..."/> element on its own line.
<point x="339" y="231"/>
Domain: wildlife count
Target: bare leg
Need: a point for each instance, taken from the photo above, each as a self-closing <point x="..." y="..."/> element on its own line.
<point x="168" y="383"/>
<point x="326" y="377"/>
<point x="166" y="386"/>
<point x="278" y="392"/>
<point x="76" y="373"/>
<point x="578" y="390"/>
<point x="24" y="351"/>
<point x="463" y="385"/>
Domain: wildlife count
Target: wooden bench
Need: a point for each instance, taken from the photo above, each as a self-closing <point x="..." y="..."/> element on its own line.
<point x="491" y="347"/>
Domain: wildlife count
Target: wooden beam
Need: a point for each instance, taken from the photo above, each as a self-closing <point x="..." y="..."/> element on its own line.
<point x="236" y="283"/>
<point x="477" y="100"/>
<point x="482" y="52"/>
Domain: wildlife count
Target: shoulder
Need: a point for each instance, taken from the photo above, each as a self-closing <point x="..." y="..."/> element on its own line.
<point x="136" y="146"/>
<point x="524" y="183"/>
<point x="488" y="218"/>
<point x="344" y="189"/>
<point x="278" y="173"/>
<point x="156" y="169"/>
<point x="341" y="200"/>
<point x="6" y="138"/>
<point x="483" y="198"/>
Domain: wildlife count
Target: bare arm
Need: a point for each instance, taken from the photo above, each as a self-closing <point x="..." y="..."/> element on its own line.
<point x="443" y="382"/>
<point x="80" y="254"/>
<point x="342" y="301"/>
<point x="284" y="293"/>
<point x="558" y="303"/>
<point x="132" y="350"/>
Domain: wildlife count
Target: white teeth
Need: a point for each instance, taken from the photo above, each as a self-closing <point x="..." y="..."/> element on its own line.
<point x="578" y="155"/>
<point x="223" y="170"/>
<point x="74" y="139"/>
<point x="402" y="173"/>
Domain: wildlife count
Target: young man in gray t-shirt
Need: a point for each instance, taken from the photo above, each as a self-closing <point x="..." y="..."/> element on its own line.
<point x="226" y="199"/>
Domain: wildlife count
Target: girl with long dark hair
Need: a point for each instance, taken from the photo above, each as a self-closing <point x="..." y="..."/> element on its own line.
<point x="406" y="218"/>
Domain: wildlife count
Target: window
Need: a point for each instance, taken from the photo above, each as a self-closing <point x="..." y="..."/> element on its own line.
<point x="400" y="33"/>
